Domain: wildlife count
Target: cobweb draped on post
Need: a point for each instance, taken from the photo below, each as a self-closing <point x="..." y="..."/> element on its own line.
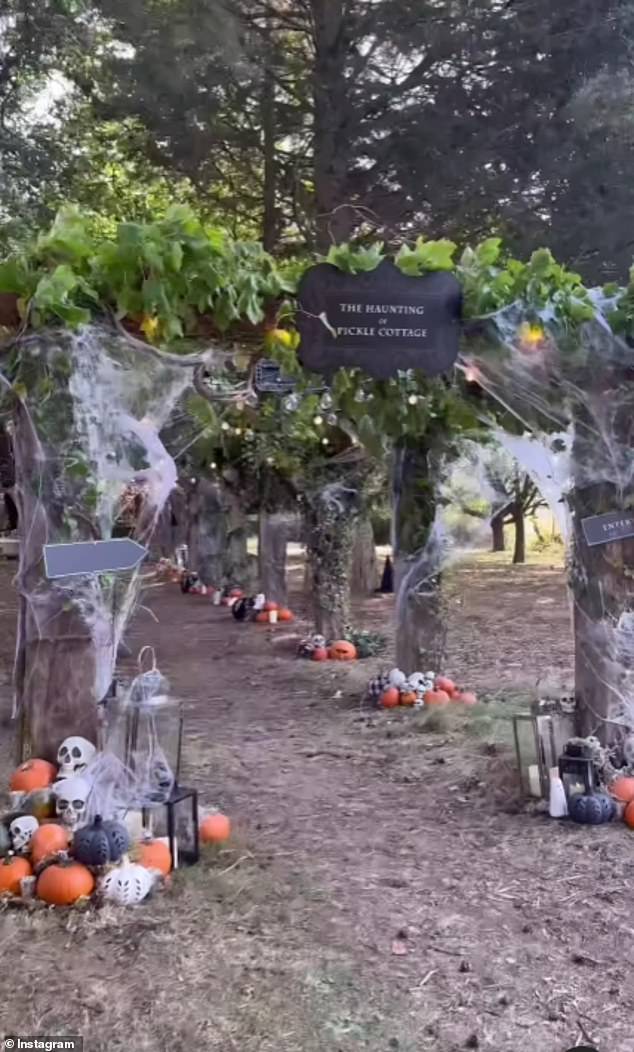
<point x="87" y="449"/>
<point x="570" y="400"/>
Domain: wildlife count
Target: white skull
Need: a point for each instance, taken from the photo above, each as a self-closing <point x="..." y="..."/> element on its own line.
<point x="397" y="678"/>
<point x="74" y="755"/>
<point x="21" y="830"/>
<point x="259" y="601"/>
<point x="71" y="795"/>
<point x="420" y="682"/>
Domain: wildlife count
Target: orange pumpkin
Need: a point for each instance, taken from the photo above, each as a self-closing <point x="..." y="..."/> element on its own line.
<point x="628" y="814"/>
<point x="47" y="840"/>
<point x="262" y="618"/>
<point x="12" y="870"/>
<point x="436" y="697"/>
<point x="622" y="789"/>
<point x="445" y="684"/>
<point x="409" y="697"/>
<point x="342" y="650"/>
<point x="464" y="697"/>
<point x="390" y="698"/>
<point x="270" y="606"/>
<point x="236" y="593"/>
<point x="284" y="614"/>
<point x="155" y="854"/>
<point x="64" y="882"/>
<point x="319" y="654"/>
<point x="215" y="829"/>
<point x="33" y="774"/>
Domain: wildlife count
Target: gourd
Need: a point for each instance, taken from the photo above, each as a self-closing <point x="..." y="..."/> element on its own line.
<point x="592" y="810"/>
<point x="622" y="789"/>
<point x="5" y="840"/>
<point x="464" y="697"/>
<point x="215" y="829"/>
<point x="40" y="803"/>
<point x="62" y="883"/>
<point x="101" y="842"/>
<point x="12" y="870"/>
<point x="48" y="840"/>
<point x="127" y="884"/>
<point x="436" y="697"/>
<point x="32" y="774"/>
<point x="390" y="698"/>
<point x="342" y="650"/>
<point x="154" y="854"/>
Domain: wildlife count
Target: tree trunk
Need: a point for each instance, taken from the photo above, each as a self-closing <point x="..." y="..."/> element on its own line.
<point x="272" y="544"/>
<point x="269" y="120"/>
<point x="206" y="531"/>
<point x="331" y="101"/>
<point x="497" y="529"/>
<point x="420" y="626"/>
<point x="331" y="512"/>
<point x="238" y="569"/>
<point x="363" y="575"/>
<point x="519" y="522"/>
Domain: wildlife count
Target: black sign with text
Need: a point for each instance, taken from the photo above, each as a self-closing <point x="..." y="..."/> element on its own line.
<point x="381" y="322"/>
<point x="605" y="529"/>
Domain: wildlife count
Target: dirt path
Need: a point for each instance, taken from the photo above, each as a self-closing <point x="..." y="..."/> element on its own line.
<point x="382" y="893"/>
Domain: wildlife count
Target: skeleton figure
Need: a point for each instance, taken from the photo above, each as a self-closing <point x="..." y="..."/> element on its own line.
<point x="21" y="830"/>
<point x="74" y="755"/>
<point x="71" y="795"/>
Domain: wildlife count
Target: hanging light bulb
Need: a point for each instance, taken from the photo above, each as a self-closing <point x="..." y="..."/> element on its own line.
<point x="325" y="442"/>
<point x="332" y="419"/>
<point x="237" y="431"/>
<point x="360" y="396"/>
<point x="249" y="434"/>
<point x="270" y="460"/>
<point x="326" y="400"/>
<point x="224" y="425"/>
<point x="318" y="421"/>
<point x="413" y="399"/>
<point x="291" y="403"/>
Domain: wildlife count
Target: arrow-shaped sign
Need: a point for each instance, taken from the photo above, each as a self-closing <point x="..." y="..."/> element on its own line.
<point x="92" y="557"/>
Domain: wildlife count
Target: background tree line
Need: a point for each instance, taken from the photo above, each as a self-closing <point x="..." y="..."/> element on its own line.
<point x="310" y="121"/>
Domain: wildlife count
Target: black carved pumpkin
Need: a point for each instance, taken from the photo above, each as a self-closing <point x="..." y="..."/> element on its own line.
<point x="100" y="843"/>
<point x="591" y="810"/>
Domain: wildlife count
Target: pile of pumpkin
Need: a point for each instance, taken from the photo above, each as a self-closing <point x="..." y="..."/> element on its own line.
<point x="44" y="860"/>
<point x="316" y="649"/>
<point x="419" y="690"/>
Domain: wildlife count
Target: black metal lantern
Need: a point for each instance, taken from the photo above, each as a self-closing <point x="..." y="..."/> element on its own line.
<point x="177" y="821"/>
<point x="576" y="770"/>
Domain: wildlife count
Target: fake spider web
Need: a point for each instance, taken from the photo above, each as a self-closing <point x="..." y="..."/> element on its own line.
<point x="86" y="442"/>
<point x="567" y="416"/>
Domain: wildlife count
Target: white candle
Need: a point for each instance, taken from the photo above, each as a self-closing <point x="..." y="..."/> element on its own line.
<point x="272" y="617"/>
<point x="534" y="783"/>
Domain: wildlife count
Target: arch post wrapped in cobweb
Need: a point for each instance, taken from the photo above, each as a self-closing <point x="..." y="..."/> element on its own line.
<point x="88" y="407"/>
<point x="567" y="399"/>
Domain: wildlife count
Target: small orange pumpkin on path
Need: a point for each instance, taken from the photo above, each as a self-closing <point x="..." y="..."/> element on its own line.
<point x="622" y="789"/>
<point x="12" y="870"/>
<point x="47" y="840"/>
<point x="262" y="618"/>
<point x="464" y="697"/>
<point x="33" y="774"/>
<point x="390" y="698"/>
<point x="446" y="684"/>
<point x="342" y="650"/>
<point x="436" y="697"/>
<point x="154" y="854"/>
<point x="628" y="815"/>
<point x="215" y="829"/>
<point x="409" y="697"/>
<point x="64" y="882"/>
<point x="284" y="614"/>
<point x="319" y="654"/>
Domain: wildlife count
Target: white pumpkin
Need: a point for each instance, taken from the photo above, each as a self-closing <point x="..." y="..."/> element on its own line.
<point x="128" y="884"/>
<point x="397" y="678"/>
